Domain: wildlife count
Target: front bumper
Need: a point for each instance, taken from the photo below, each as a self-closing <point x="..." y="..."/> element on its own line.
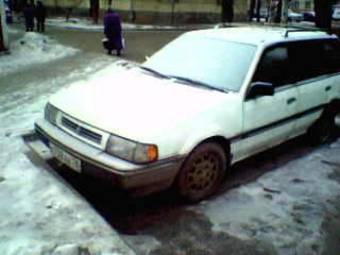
<point x="142" y="179"/>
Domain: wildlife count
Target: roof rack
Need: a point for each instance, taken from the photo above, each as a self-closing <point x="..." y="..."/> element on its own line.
<point x="295" y="29"/>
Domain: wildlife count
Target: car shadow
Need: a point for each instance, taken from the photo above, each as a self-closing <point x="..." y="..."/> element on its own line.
<point x="131" y="215"/>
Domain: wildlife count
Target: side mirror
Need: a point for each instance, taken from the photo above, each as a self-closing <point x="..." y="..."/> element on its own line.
<point x="260" y="88"/>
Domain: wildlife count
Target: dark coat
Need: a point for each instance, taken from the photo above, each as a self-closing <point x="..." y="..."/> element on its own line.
<point x="227" y="11"/>
<point x="113" y="29"/>
<point x="40" y="12"/>
<point x="29" y="14"/>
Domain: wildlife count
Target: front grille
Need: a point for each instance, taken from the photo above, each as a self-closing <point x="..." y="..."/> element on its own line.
<point x="81" y="131"/>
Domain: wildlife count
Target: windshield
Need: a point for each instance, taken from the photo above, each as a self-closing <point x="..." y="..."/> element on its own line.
<point x="221" y="64"/>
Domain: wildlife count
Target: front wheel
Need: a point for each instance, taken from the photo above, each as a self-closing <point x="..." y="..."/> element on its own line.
<point x="202" y="172"/>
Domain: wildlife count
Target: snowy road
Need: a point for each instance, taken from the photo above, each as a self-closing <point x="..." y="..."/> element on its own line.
<point x="285" y="201"/>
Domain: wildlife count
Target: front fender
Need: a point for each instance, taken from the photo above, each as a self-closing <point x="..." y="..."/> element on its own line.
<point x="197" y="136"/>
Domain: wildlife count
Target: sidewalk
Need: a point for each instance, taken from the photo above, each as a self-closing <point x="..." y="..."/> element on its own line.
<point x="87" y="25"/>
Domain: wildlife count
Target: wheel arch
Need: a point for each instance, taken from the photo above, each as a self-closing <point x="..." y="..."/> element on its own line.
<point x="224" y="145"/>
<point x="218" y="139"/>
<point x="335" y="103"/>
<point x="223" y="142"/>
<point x="332" y="106"/>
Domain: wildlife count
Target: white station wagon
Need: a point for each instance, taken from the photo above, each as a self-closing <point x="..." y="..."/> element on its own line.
<point x="206" y="100"/>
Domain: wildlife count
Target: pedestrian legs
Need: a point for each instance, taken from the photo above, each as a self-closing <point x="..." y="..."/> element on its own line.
<point x="40" y="26"/>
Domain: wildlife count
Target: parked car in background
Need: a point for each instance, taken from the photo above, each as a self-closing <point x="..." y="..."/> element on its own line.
<point x="294" y="16"/>
<point x="308" y="16"/>
<point x="202" y="103"/>
<point x="336" y="12"/>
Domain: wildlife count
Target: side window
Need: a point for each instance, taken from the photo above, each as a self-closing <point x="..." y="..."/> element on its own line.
<point x="274" y="67"/>
<point x="331" y="59"/>
<point x="314" y="58"/>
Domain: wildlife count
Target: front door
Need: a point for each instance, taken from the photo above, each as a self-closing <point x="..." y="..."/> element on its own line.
<point x="269" y="120"/>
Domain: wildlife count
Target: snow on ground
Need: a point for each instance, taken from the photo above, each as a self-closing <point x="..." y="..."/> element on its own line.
<point x="87" y="24"/>
<point x="74" y="23"/>
<point x="12" y="30"/>
<point x="39" y="212"/>
<point x="284" y="208"/>
<point x="32" y="48"/>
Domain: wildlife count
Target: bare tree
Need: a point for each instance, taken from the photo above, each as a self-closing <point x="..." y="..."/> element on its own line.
<point x="110" y="3"/>
<point x="133" y="15"/>
<point x="173" y="3"/>
<point x="72" y="4"/>
<point x="323" y="13"/>
<point x="94" y="10"/>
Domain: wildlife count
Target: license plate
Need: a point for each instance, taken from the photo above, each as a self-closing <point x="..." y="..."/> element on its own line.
<point x="66" y="158"/>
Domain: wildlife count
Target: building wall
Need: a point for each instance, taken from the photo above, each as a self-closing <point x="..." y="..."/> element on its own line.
<point x="158" y="11"/>
<point x="306" y="5"/>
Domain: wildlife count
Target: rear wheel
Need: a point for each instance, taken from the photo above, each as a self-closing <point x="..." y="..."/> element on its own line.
<point x="324" y="129"/>
<point x="202" y="172"/>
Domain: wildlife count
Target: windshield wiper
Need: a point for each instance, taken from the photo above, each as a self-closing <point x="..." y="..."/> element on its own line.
<point x="150" y="70"/>
<point x="197" y="83"/>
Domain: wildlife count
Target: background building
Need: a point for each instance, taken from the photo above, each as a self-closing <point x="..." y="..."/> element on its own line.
<point x="155" y="11"/>
<point x="302" y="5"/>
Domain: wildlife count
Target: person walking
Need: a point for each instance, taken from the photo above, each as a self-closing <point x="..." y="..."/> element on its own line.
<point x="29" y="17"/>
<point x="227" y="11"/>
<point x="273" y="9"/>
<point x="40" y="15"/>
<point x="113" y="32"/>
<point x="255" y="10"/>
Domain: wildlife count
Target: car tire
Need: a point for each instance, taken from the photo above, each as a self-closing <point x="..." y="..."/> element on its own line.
<point x="324" y="128"/>
<point x="202" y="172"/>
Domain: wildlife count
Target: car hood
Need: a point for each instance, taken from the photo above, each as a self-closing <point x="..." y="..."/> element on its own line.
<point x="134" y="104"/>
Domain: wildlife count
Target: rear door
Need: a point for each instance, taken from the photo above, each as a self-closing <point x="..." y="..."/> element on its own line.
<point x="315" y="71"/>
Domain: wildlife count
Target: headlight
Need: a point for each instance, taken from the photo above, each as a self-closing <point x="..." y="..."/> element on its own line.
<point x="51" y="113"/>
<point x="132" y="151"/>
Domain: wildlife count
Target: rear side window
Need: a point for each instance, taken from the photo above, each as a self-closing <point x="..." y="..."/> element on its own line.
<point x="315" y="58"/>
<point x="331" y="56"/>
<point x="306" y="56"/>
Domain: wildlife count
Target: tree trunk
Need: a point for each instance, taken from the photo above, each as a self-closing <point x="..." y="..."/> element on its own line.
<point x="2" y="45"/>
<point x="94" y="10"/>
<point x="132" y="11"/>
<point x="173" y="3"/>
<point x="284" y="11"/>
<point x="323" y="13"/>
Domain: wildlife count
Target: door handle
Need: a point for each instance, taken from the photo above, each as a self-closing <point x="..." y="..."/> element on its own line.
<point x="291" y="100"/>
<point x="328" y="88"/>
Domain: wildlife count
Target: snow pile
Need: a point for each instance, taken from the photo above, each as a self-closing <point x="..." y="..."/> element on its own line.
<point x="12" y="30"/>
<point x="40" y="214"/>
<point x="284" y="208"/>
<point x="32" y="48"/>
<point x="87" y="24"/>
<point x="74" y="23"/>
